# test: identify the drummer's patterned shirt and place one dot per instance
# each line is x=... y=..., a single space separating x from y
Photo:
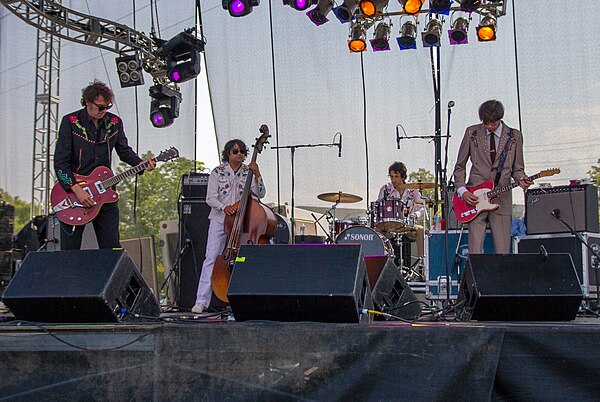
x=408 y=197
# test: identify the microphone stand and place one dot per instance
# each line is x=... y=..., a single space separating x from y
x=292 y=149
x=175 y=266
x=579 y=237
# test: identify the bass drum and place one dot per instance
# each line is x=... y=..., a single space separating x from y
x=373 y=242
x=283 y=231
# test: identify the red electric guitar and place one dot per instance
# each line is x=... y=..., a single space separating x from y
x=99 y=186
x=485 y=192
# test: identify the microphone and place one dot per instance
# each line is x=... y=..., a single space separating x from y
x=340 y=147
x=46 y=241
x=555 y=213
x=450 y=104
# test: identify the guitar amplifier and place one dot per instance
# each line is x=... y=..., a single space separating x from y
x=577 y=205
x=194 y=185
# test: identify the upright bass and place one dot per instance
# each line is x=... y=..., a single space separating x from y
x=253 y=223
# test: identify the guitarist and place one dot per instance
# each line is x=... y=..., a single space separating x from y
x=86 y=139
x=484 y=144
x=225 y=187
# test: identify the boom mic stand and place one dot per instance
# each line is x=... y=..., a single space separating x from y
x=556 y=214
x=175 y=266
x=292 y=149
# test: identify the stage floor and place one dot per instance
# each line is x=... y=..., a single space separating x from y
x=186 y=357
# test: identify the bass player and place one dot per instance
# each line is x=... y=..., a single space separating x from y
x=496 y=153
x=86 y=139
x=225 y=187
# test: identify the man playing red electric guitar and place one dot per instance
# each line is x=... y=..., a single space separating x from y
x=86 y=139
x=496 y=153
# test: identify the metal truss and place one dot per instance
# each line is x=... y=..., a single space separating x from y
x=51 y=17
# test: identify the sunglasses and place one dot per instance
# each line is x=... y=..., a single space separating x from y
x=102 y=107
x=237 y=151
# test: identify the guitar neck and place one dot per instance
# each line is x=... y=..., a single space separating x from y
x=111 y=181
x=499 y=190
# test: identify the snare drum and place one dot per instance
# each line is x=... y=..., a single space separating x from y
x=372 y=240
x=388 y=214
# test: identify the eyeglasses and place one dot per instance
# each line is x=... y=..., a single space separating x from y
x=236 y=151
x=102 y=107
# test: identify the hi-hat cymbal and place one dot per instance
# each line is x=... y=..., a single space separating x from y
x=339 y=197
x=419 y=185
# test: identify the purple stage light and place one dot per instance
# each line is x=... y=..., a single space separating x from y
x=175 y=76
x=237 y=7
x=158 y=119
x=301 y=4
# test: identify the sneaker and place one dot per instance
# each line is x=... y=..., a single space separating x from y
x=198 y=308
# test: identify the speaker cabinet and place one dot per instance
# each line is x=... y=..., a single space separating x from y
x=578 y=206
x=390 y=291
x=79 y=286
x=194 y=185
x=520 y=287
x=193 y=225
x=325 y=283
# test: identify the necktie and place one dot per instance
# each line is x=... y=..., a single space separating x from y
x=493 y=146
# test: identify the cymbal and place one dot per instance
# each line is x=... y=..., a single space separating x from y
x=339 y=197
x=419 y=185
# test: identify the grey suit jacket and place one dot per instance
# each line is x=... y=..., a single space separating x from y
x=474 y=146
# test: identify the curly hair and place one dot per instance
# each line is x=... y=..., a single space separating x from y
x=398 y=167
x=95 y=89
x=229 y=146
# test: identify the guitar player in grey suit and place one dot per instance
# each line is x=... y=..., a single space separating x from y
x=486 y=156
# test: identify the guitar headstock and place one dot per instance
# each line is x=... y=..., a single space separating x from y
x=263 y=139
x=167 y=155
x=549 y=172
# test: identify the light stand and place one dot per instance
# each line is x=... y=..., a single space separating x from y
x=292 y=149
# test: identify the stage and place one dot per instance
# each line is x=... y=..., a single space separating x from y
x=206 y=358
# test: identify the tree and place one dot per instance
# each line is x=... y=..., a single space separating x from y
x=425 y=176
x=22 y=210
x=594 y=174
x=155 y=200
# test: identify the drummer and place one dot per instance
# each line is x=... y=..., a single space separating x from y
x=411 y=198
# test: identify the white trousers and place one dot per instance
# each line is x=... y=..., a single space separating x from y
x=214 y=247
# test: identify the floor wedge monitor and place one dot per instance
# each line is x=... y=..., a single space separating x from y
x=519 y=287
x=79 y=286
x=325 y=283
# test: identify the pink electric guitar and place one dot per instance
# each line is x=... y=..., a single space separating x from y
x=99 y=186
x=485 y=192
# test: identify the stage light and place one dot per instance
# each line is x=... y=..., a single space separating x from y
x=182 y=54
x=469 y=5
x=130 y=70
x=412 y=7
x=370 y=8
x=239 y=8
x=164 y=107
x=458 y=31
x=486 y=31
x=440 y=6
x=358 y=39
x=299 y=5
x=318 y=15
x=345 y=12
x=381 y=37
x=408 y=35
x=433 y=32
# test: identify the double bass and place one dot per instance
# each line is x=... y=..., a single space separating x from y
x=253 y=223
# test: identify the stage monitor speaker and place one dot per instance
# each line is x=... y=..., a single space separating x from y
x=519 y=287
x=325 y=283
x=390 y=291
x=193 y=226
x=577 y=205
x=79 y=286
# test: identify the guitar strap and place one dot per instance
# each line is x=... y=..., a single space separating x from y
x=503 y=156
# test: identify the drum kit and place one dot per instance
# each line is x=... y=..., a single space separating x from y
x=386 y=229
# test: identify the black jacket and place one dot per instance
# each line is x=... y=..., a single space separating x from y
x=81 y=147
